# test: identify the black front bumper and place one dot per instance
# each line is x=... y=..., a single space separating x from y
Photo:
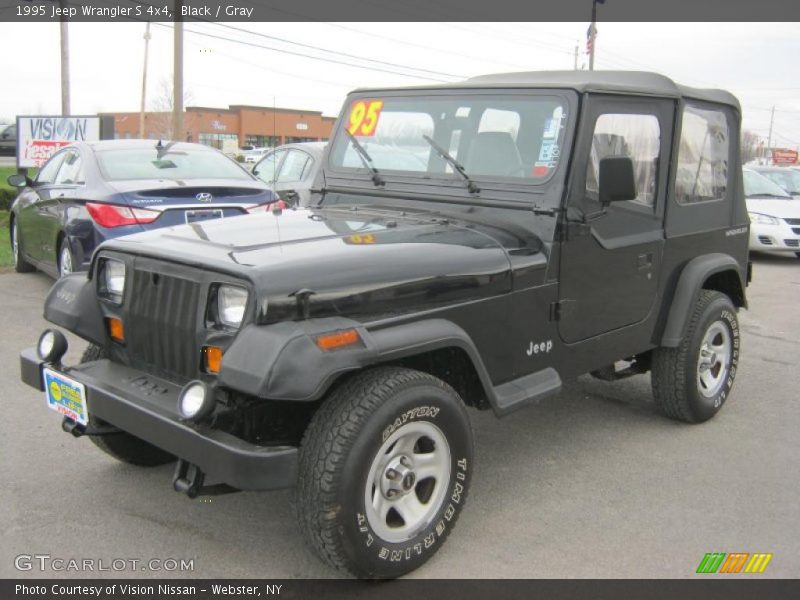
x=146 y=407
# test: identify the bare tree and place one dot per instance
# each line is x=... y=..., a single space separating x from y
x=159 y=121
x=751 y=143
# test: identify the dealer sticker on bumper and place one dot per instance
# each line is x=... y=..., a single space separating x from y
x=65 y=396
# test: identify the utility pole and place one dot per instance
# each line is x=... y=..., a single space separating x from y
x=575 y=66
x=177 y=90
x=65 y=107
x=771 y=121
x=144 y=81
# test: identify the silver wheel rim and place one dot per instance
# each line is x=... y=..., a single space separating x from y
x=714 y=360
x=14 y=244
x=65 y=261
x=408 y=481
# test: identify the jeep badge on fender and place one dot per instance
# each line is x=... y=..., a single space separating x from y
x=467 y=247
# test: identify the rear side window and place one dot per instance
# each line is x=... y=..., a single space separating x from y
x=71 y=172
x=294 y=166
x=636 y=136
x=702 y=173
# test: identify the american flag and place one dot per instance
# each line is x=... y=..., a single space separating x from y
x=589 y=37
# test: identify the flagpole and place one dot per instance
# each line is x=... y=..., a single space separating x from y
x=593 y=35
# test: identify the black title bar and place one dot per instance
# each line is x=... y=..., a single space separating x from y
x=398 y=10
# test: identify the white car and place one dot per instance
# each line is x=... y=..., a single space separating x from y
x=774 y=215
x=254 y=155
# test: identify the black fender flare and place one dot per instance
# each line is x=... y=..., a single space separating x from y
x=72 y=304
x=282 y=361
x=691 y=280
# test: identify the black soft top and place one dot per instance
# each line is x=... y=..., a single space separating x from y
x=620 y=82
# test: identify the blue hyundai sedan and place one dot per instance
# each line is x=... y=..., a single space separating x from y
x=90 y=192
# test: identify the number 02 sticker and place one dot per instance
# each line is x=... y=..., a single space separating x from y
x=364 y=115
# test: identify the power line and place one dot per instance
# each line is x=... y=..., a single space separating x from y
x=344 y=54
x=293 y=53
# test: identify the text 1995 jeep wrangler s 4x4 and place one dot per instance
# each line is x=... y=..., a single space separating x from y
x=468 y=245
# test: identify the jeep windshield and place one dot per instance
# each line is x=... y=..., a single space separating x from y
x=505 y=138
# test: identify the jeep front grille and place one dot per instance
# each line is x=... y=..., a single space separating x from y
x=161 y=324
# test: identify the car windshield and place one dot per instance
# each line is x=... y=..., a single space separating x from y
x=788 y=179
x=143 y=163
x=756 y=184
x=509 y=136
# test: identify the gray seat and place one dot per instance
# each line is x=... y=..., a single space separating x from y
x=493 y=153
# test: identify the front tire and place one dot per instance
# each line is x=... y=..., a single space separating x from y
x=123 y=446
x=20 y=264
x=385 y=467
x=692 y=382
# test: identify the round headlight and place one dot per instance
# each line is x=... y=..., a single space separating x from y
x=114 y=277
x=52 y=345
x=196 y=400
x=231 y=302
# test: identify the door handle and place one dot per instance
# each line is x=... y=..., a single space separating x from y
x=645 y=261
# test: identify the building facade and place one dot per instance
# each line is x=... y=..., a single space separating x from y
x=246 y=125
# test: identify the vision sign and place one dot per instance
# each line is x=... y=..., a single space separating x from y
x=39 y=137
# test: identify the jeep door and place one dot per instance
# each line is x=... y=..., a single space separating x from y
x=610 y=257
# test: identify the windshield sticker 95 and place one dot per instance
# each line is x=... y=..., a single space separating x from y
x=364 y=116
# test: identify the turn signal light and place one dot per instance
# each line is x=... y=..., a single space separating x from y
x=115 y=329
x=338 y=339
x=212 y=356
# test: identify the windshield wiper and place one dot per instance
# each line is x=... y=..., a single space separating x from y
x=473 y=189
x=366 y=159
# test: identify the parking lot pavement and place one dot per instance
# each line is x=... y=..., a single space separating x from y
x=593 y=483
x=7 y=161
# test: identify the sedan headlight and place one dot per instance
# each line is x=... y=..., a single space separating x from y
x=763 y=219
x=112 y=279
x=231 y=302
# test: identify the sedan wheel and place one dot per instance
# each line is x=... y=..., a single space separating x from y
x=20 y=264
x=65 y=266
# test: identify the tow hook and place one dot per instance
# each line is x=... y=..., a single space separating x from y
x=189 y=478
x=78 y=430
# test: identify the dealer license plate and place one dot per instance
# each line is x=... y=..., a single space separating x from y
x=66 y=396
x=193 y=216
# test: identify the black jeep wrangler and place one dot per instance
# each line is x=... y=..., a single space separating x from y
x=468 y=246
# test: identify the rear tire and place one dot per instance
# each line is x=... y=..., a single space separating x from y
x=692 y=382
x=385 y=467
x=124 y=446
x=66 y=262
x=20 y=264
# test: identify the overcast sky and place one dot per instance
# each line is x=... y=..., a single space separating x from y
x=756 y=61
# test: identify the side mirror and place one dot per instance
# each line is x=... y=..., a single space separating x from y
x=18 y=180
x=616 y=181
x=291 y=197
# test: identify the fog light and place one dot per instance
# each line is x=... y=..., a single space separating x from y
x=196 y=400
x=52 y=346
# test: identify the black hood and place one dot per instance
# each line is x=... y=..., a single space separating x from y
x=349 y=262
